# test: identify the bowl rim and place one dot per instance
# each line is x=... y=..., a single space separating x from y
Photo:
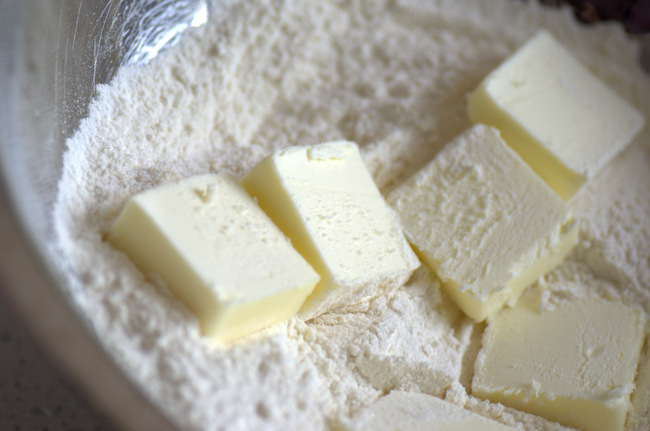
x=33 y=292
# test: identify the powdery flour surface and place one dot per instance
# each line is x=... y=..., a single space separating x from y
x=390 y=76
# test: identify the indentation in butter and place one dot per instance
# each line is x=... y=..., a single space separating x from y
x=324 y=153
x=205 y=193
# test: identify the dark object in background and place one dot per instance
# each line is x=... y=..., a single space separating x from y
x=633 y=14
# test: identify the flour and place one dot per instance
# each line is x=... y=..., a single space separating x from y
x=391 y=76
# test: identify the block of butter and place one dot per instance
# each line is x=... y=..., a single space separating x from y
x=483 y=221
x=217 y=251
x=560 y=118
x=324 y=199
x=414 y=411
x=573 y=363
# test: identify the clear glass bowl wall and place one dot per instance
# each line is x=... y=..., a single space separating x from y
x=53 y=54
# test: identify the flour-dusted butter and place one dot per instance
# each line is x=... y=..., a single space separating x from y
x=482 y=219
x=573 y=363
x=560 y=118
x=217 y=251
x=324 y=199
x=412 y=411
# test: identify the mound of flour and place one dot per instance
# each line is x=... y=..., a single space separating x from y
x=391 y=76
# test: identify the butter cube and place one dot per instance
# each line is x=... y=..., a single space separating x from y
x=560 y=118
x=573 y=363
x=324 y=199
x=483 y=221
x=414 y=411
x=217 y=251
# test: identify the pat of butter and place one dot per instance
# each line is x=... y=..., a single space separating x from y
x=324 y=199
x=561 y=119
x=483 y=221
x=417 y=412
x=573 y=363
x=217 y=251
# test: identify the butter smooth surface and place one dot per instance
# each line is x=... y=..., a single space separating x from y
x=562 y=120
x=482 y=219
x=412 y=411
x=324 y=199
x=217 y=251
x=573 y=363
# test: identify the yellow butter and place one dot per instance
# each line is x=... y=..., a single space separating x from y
x=573 y=363
x=560 y=118
x=217 y=251
x=414 y=411
x=324 y=199
x=483 y=221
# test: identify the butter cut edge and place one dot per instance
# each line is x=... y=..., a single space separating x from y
x=136 y=232
x=135 y=223
x=562 y=175
x=582 y=406
x=268 y=185
x=221 y=322
x=559 y=177
x=479 y=309
x=592 y=415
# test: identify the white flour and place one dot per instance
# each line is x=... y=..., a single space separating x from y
x=391 y=76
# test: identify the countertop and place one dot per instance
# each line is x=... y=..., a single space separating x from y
x=33 y=393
